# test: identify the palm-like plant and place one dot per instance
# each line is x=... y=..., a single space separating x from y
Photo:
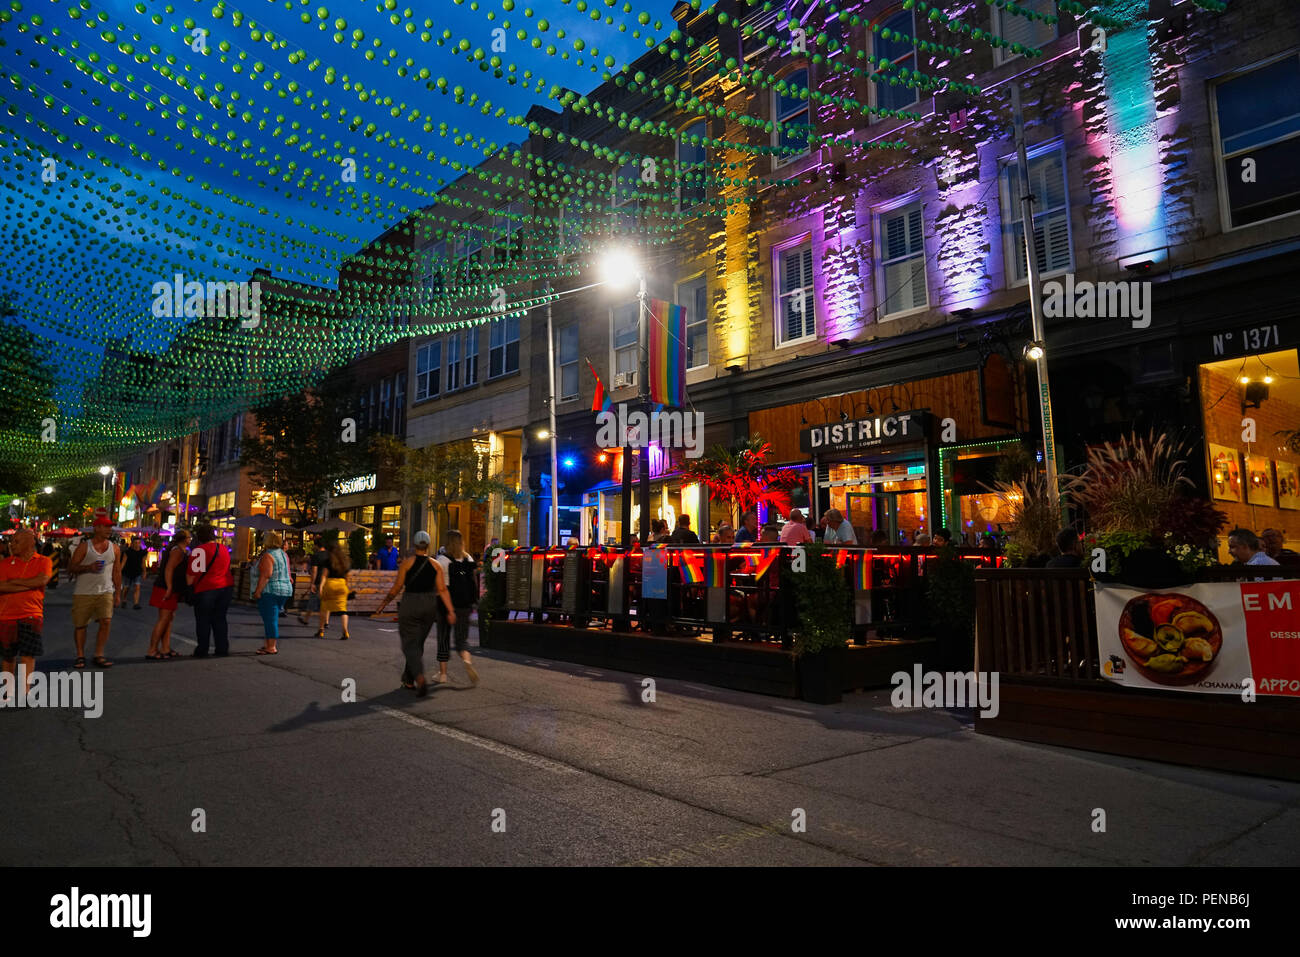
x=740 y=476
x=1034 y=514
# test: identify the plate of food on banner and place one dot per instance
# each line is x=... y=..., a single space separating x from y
x=1171 y=639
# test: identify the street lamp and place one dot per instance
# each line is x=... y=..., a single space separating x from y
x=105 y=471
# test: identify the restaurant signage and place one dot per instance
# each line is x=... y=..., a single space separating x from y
x=1212 y=638
x=897 y=428
x=362 y=483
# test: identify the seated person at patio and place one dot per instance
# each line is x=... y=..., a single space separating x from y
x=942 y=537
x=880 y=538
x=771 y=534
x=1071 y=549
x=683 y=535
x=1243 y=544
x=659 y=531
x=1273 y=542
x=748 y=531
x=795 y=532
x=726 y=535
x=838 y=529
x=922 y=540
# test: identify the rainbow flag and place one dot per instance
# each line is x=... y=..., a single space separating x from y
x=692 y=573
x=863 y=581
x=764 y=562
x=602 y=402
x=717 y=565
x=667 y=352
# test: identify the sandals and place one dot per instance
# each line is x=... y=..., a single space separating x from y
x=79 y=663
x=321 y=633
x=155 y=657
x=102 y=662
x=263 y=651
x=171 y=654
x=345 y=637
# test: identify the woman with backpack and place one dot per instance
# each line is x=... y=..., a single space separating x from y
x=165 y=596
x=272 y=586
x=462 y=583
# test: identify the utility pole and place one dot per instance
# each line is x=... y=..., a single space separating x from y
x=553 y=539
x=643 y=388
x=1035 y=297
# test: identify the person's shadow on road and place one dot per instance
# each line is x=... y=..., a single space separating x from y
x=398 y=699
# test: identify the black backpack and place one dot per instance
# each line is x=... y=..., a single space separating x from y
x=461 y=582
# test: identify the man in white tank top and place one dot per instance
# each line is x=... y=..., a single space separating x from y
x=97 y=592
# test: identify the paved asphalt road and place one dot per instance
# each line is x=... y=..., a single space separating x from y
x=580 y=769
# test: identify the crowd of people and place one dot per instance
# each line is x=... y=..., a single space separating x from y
x=197 y=569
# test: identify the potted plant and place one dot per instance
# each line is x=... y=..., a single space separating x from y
x=821 y=638
x=950 y=600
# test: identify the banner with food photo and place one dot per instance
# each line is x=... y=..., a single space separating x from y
x=1206 y=638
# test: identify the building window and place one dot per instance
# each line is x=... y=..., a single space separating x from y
x=1051 y=215
x=567 y=362
x=691 y=159
x=626 y=337
x=626 y=179
x=693 y=294
x=399 y=419
x=374 y=408
x=503 y=357
x=901 y=273
x=1032 y=34
x=792 y=113
x=795 y=319
x=469 y=255
x=453 y=362
x=900 y=51
x=1257 y=116
x=507 y=234
x=428 y=369
x=385 y=405
x=433 y=268
x=471 y=356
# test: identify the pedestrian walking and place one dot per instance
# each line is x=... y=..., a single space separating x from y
x=423 y=585
x=132 y=571
x=462 y=584
x=208 y=574
x=316 y=563
x=334 y=589
x=23 y=577
x=166 y=595
x=97 y=592
x=272 y=586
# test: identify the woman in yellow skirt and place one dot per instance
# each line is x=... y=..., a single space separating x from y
x=334 y=590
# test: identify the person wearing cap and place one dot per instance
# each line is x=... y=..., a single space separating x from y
x=795 y=531
x=97 y=592
x=425 y=584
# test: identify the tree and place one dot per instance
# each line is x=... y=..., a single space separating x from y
x=439 y=475
x=741 y=477
x=26 y=396
x=299 y=451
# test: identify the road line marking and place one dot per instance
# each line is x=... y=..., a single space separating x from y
x=791 y=710
x=465 y=737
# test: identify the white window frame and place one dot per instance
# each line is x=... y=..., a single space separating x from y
x=451 y=354
x=700 y=168
x=504 y=325
x=471 y=357
x=903 y=206
x=619 y=188
x=507 y=217
x=561 y=363
x=1003 y=55
x=433 y=367
x=779 y=159
x=634 y=347
x=913 y=65
x=1011 y=208
x=809 y=291
x=1221 y=159
x=692 y=320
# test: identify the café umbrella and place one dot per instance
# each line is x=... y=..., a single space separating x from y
x=261 y=523
x=334 y=525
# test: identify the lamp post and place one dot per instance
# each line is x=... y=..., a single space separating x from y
x=105 y=471
x=553 y=538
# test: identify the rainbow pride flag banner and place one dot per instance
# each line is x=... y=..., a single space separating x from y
x=765 y=561
x=716 y=560
x=863 y=578
x=841 y=556
x=692 y=569
x=667 y=336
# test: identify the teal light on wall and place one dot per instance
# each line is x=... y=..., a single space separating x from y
x=1134 y=138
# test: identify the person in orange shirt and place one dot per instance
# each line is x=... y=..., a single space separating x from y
x=23 y=577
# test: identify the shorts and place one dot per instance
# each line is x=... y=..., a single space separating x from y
x=88 y=608
x=156 y=599
x=21 y=638
x=130 y=581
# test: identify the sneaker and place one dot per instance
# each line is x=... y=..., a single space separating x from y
x=441 y=679
x=469 y=670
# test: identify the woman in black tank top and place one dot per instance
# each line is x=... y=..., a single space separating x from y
x=425 y=585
